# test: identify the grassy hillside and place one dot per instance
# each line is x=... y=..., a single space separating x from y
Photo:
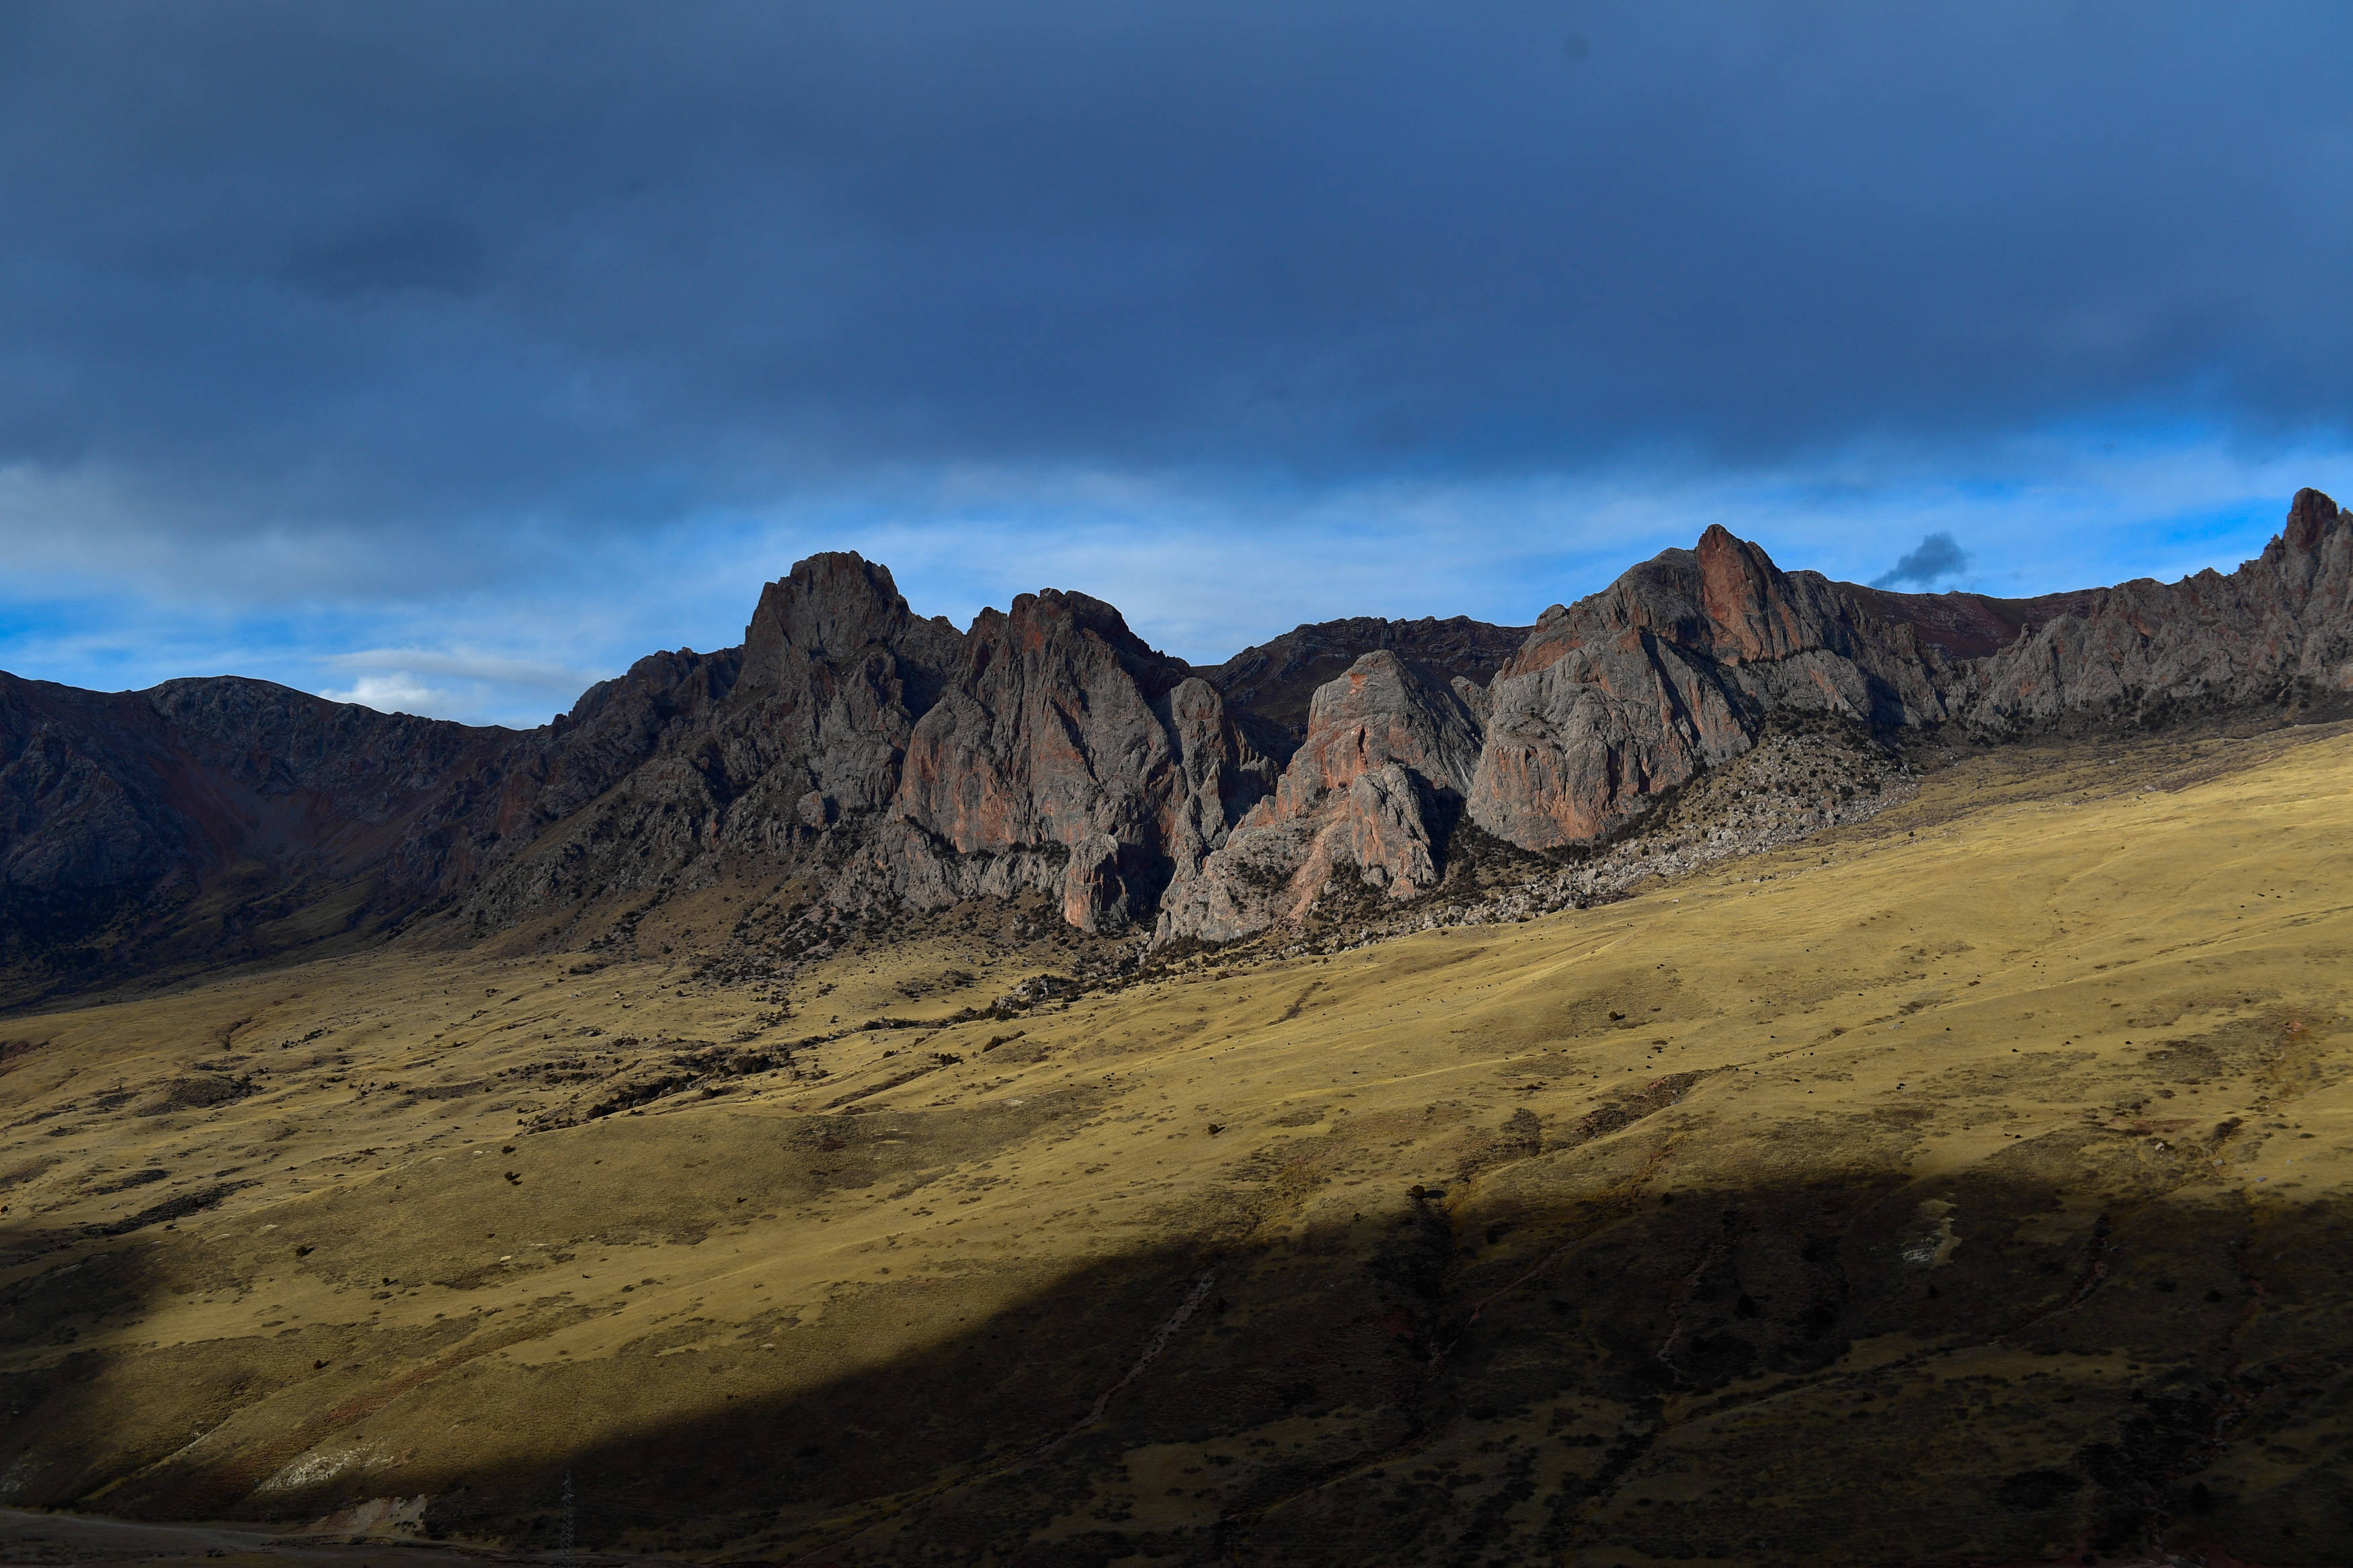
x=1969 y=1185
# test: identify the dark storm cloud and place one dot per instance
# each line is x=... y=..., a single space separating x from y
x=1935 y=557
x=432 y=254
x=457 y=267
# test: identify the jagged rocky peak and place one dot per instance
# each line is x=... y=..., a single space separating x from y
x=832 y=608
x=1753 y=610
x=2309 y=519
x=1372 y=791
x=1670 y=670
x=1049 y=735
x=1054 y=609
x=2276 y=635
x=1275 y=680
x=1383 y=711
x=830 y=605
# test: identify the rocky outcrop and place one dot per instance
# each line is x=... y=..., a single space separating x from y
x=1047 y=748
x=893 y=760
x=1965 y=626
x=1374 y=790
x=1277 y=681
x=1058 y=727
x=1671 y=670
x=1678 y=666
x=2277 y=630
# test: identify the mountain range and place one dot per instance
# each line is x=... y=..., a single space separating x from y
x=890 y=762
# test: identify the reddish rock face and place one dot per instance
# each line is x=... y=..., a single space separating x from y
x=1277 y=681
x=1748 y=611
x=1390 y=748
x=923 y=764
x=1047 y=748
x=1381 y=710
x=1050 y=732
x=1670 y=670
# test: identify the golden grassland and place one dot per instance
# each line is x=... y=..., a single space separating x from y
x=1969 y=1185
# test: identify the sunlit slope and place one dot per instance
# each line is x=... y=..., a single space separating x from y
x=1964 y=1186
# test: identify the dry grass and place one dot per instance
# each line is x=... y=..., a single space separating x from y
x=2066 y=1034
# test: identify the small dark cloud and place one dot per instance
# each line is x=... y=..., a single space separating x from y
x=1934 y=557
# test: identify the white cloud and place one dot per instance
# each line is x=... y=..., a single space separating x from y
x=465 y=665
x=395 y=691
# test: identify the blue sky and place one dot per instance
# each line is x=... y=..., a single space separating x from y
x=449 y=357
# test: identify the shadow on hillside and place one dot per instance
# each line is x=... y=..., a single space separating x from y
x=1855 y=1368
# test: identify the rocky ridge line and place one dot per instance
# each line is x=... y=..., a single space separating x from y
x=875 y=759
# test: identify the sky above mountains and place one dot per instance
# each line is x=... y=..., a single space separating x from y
x=449 y=357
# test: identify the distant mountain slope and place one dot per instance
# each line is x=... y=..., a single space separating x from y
x=189 y=818
x=1967 y=625
x=886 y=761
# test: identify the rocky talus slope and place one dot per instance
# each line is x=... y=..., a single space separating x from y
x=874 y=760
